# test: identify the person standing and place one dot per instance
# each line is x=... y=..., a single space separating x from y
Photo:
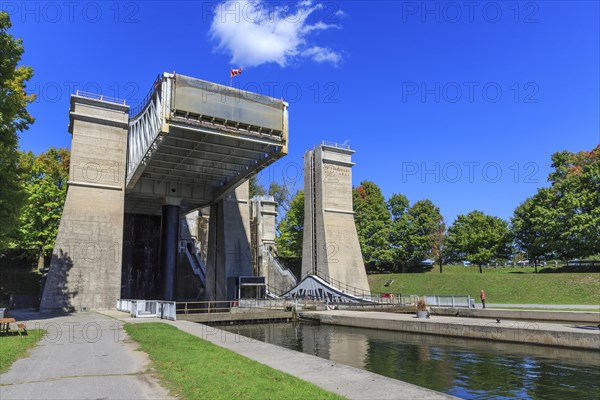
x=482 y=296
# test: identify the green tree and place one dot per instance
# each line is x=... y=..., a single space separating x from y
x=281 y=194
x=424 y=222
x=14 y=118
x=399 y=233
x=291 y=229
x=576 y=201
x=255 y=188
x=45 y=183
x=438 y=250
x=534 y=226
x=372 y=220
x=413 y=230
x=478 y=238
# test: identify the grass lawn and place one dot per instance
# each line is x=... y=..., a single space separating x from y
x=193 y=368
x=555 y=309
x=501 y=285
x=14 y=347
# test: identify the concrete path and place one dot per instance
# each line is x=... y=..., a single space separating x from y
x=82 y=356
x=353 y=383
x=548 y=306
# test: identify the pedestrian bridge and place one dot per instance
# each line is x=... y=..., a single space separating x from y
x=196 y=140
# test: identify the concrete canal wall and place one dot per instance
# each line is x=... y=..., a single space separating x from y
x=581 y=336
x=527 y=315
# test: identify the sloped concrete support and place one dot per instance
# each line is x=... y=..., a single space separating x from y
x=330 y=246
x=85 y=271
x=229 y=254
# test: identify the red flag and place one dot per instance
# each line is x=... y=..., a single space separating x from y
x=234 y=72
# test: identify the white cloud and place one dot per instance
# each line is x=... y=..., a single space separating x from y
x=321 y=55
x=257 y=32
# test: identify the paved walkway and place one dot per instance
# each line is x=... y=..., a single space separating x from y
x=353 y=383
x=82 y=356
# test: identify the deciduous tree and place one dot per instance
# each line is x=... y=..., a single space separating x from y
x=255 y=188
x=576 y=200
x=438 y=250
x=372 y=221
x=291 y=229
x=479 y=238
x=535 y=226
x=14 y=118
x=45 y=184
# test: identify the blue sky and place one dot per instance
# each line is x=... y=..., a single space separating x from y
x=459 y=102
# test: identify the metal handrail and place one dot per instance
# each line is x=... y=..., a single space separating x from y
x=341 y=286
x=281 y=266
x=141 y=106
x=334 y=144
x=225 y=306
x=100 y=97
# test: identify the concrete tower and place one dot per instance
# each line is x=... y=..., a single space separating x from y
x=330 y=247
x=85 y=271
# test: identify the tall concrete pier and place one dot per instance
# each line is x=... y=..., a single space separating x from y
x=85 y=271
x=264 y=248
x=229 y=253
x=330 y=247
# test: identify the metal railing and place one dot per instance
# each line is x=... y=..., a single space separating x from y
x=195 y=261
x=243 y=305
x=134 y=111
x=342 y=287
x=334 y=144
x=448 y=301
x=101 y=97
x=148 y=308
x=281 y=268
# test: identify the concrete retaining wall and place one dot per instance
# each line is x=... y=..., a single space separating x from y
x=528 y=315
x=509 y=331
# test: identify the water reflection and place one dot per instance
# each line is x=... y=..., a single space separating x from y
x=467 y=368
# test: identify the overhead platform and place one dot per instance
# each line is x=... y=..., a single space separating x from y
x=195 y=140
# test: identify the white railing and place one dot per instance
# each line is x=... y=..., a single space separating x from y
x=101 y=97
x=145 y=127
x=148 y=308
x=334 y=144
x=448 y=301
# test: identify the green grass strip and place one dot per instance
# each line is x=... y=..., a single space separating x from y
x=14 y=347
x=193 y=368
x=501 y=285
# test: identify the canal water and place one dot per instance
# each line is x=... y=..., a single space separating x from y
x=467 y=368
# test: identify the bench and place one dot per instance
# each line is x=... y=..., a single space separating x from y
x=5 y=326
